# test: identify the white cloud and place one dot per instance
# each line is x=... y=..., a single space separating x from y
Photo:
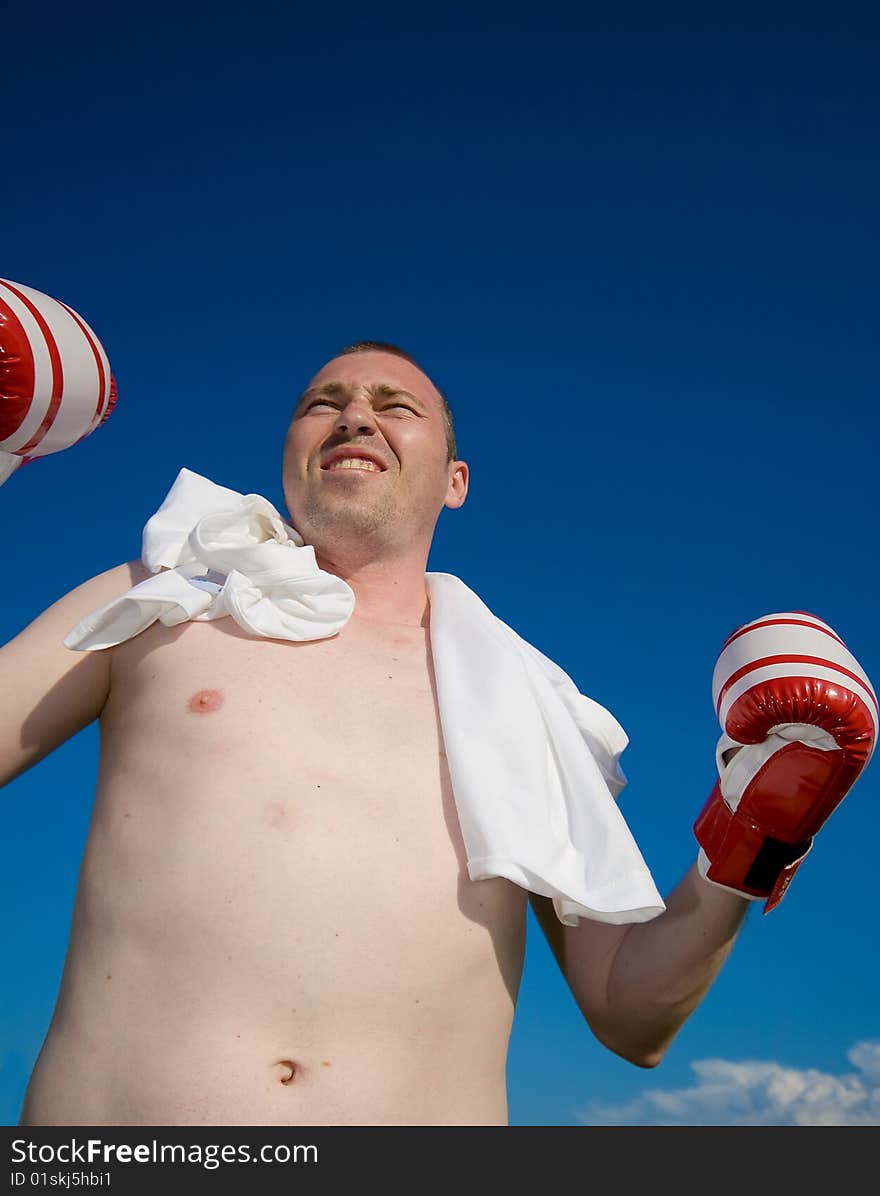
x=751 y=1092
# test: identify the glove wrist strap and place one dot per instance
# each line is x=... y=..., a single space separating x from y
x=742 y=856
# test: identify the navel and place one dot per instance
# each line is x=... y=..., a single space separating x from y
x=287 y=1070
x=206 y=701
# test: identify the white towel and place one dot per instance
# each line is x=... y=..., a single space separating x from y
x=534 y=763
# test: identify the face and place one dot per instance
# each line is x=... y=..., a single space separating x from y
x=365 y=456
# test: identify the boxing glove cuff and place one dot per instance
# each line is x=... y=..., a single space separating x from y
x=738 y=853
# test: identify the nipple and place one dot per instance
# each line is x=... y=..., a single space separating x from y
x=205 y=701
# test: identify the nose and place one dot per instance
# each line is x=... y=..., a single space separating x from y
x=356 y=416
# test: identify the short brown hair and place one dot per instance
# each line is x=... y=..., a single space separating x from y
x=385 y=347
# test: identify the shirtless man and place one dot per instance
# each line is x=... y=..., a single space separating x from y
x=274 y=924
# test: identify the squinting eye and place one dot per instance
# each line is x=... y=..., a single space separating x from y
x=335 y=406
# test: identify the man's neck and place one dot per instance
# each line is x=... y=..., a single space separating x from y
x=390 y=592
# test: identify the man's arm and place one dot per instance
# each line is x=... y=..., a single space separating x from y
x=48 y=692
x=636 y=984
x=799 y=720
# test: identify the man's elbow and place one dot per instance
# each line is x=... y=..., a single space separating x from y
x=645 y=1059
x=638 y=1055
x=642 y=1046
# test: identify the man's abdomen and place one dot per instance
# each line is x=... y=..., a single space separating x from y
x=218 y=1075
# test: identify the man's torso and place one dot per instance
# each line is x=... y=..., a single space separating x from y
x=274 y=922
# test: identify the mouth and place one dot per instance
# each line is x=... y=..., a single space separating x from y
x=352 y=463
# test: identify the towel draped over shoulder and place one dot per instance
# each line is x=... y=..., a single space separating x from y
x=534 y=763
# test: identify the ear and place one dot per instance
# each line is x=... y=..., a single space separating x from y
x=457 y=489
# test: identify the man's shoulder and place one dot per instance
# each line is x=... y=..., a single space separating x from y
x=130 y=572
x=110 y=583
x=67 y=607
x=89 y=595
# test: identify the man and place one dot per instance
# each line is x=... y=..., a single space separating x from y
x=274 y=924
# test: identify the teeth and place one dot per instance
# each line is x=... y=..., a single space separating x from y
x=355 y=463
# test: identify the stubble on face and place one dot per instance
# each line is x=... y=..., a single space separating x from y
x=346 y=512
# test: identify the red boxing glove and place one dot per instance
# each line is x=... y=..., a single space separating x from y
x=803 y=714
x=55 y=380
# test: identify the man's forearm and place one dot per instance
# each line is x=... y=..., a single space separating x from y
x=662 y=969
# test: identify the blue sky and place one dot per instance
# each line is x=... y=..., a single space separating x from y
x=639 y=252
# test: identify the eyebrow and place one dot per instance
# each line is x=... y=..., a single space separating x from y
x=338 y=389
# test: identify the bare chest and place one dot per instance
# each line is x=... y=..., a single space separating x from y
x=223 y=754
x=349 y=719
